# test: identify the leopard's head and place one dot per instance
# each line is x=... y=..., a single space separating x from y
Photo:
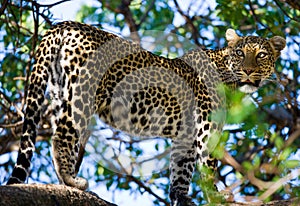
x=252 y=58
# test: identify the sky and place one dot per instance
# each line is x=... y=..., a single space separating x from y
x=67 y=10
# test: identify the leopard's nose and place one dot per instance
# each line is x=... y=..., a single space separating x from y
x=248 y=71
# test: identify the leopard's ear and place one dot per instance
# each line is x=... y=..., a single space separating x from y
x=231 y=37
x=278 y=44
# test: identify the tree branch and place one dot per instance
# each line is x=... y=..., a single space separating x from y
x=147 y=189
x=54 y=4
x=295 y=4
x=189 y=21
x=48 y=195
x=285 y=13
x=3 y=7
x=125 y=10
x=271 y=187
x=145 y=15
x=276 y=185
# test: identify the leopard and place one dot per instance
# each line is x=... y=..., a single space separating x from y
x=89 y=71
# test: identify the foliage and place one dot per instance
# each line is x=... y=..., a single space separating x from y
x=262 y=130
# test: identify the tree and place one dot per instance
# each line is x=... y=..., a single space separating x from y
x=259 y=153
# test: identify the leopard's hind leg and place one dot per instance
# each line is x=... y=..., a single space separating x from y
x=66 y=147
x=71 y=134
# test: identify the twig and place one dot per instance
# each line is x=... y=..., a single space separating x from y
x=285 y=13
x=145 y=15
x=292 y=138
x=256 y=18
x=54 y=4
x=147 y=189
x=156 y=157
x=125 y=10
x=11 y=125
x=249 y=174
x=15 y=24
x=19 y=111
x=276 y=185
x=3 y=7
x=190 y=23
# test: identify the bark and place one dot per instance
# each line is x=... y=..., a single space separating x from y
x=48 y=195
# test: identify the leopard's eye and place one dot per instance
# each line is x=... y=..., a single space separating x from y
x=239 y=52
x=261 y=55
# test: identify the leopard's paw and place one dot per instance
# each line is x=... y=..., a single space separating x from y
x=77 y=182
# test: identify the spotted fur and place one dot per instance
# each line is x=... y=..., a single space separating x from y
x=87 y=71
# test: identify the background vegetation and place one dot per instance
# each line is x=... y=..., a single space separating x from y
x=261 y=156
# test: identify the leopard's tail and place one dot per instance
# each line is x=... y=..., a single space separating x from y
x=34 y=102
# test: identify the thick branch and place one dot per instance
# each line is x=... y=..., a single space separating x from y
x=39 y=194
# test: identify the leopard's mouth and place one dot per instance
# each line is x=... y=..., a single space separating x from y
x=254 y=83
x=249 y=86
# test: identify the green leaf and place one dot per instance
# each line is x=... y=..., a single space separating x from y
x=279 y=143
x=291 y=164
x=247 y=165
x=256 y=161
x=285 y=153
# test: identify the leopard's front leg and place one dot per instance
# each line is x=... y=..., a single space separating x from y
x=207 y=139
x=182 y=164
x=184 y=155
x=208 y=167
